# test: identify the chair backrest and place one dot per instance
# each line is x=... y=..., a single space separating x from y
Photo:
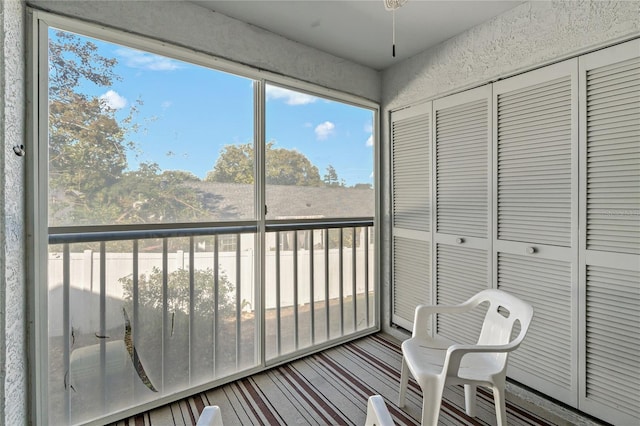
x=503 y=313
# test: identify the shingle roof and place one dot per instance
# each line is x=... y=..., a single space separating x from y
x=232 y=201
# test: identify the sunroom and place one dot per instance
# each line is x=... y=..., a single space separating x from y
x=199 y=192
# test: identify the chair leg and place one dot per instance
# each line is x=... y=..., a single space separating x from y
x=404 y=382
x=431 y=401
x=470 y=400
x=501 y=407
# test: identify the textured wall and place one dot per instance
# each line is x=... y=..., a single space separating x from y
x=525 y=37
x=13 y=373
x=201 y=29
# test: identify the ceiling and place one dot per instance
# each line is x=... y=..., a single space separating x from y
x=361 y=30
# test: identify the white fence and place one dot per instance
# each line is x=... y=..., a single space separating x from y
x=85 y=274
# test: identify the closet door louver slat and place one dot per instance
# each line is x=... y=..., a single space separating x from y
x=613 y=214
x=613 y=315
x=546 y=284
x=526 y=152
x=461 y=169
x=411 y=276
x=461 y=273
x=411 y=173
x=411 y=211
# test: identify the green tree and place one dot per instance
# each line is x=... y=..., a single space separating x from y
x=148 y=195
x=331 y=178
x=179 y=321
x=150 y=292
x=87 y=143
x=283 y=166
x=88 y=146
x=235 y=165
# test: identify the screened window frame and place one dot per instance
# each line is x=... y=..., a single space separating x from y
x=37 y=184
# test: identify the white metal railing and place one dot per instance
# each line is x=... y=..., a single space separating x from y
x=135 y=315
x=344 y=280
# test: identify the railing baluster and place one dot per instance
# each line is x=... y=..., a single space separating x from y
x=326 y=280
x=192 y=299
x=353 y=278
x=136 y=306
x=295 y=289
x=341 y=280
x=366 y=273
x=238 y=302
x=216 y=304
x=165 y=312
x=66 y=326
x=103 y=325
x=312 y=298
x=278 y=322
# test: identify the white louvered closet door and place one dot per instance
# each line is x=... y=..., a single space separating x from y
x=462 y=224
x=535 y=222
x=610 y=233
x=411 y=211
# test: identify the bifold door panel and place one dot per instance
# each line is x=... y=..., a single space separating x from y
x=610 y=230
x=462 y=176
x=411 y=223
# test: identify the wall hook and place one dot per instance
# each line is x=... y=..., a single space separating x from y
x=19 y=150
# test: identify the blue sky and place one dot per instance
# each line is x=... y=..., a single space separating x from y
x=190 y=112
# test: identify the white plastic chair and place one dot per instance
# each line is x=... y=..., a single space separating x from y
x=210 y=416
x=436 y=362
x=377 y=412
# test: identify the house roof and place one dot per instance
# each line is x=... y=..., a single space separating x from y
x=232 y=201
x=227 y=202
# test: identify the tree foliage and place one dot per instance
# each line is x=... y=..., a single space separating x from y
x=71 y=60
x=282 y=166
x=87 y=142
x=148 y=195
x=179 y=323
x=88 y=146
x=331 y=178
x=235 y=165
x=178 y=285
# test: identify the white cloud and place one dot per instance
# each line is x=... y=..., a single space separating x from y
x=368 y=128
x=324 y=130
x=165 y=104
x=289 y=96
x=113 y=100
x=370 y=141
x=147 y=61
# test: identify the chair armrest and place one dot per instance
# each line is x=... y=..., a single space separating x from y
x=456 y=352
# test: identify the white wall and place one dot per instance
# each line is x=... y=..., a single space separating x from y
x=195 y=27
x=526 y=37
x=13 y=359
